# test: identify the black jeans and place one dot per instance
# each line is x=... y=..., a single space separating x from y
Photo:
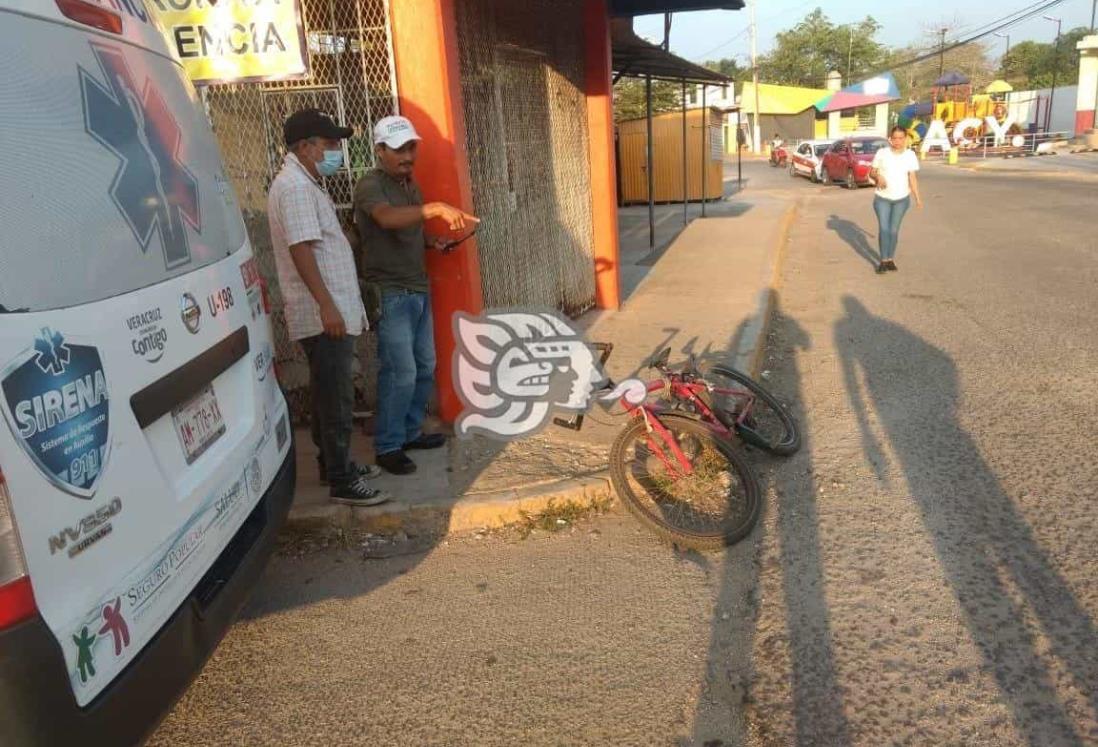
x=333 y=393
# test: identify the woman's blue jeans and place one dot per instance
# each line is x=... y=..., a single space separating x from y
x=890 y=214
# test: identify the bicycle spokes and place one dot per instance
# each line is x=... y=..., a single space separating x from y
x=702 y=498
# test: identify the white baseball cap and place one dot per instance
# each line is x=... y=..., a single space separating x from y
x=394 y=131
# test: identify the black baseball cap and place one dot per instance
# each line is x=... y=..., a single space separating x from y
x=307 y=123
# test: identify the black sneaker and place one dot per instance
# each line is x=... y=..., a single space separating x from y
x=357 y=493
x=426 y=441
x=396 y=462
x=881 y=269
x=368 y=471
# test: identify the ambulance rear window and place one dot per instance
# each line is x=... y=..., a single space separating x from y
x=112 y=179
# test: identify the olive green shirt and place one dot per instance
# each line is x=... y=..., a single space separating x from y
x=394 y=259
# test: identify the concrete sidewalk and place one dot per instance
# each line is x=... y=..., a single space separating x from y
x=708 y=293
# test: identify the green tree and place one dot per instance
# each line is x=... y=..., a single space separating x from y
x=916 y=80
x=806 y=53
x=629 y=98
x=728 y=67
x=1029 y=65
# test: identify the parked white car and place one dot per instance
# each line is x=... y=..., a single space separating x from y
x=807 y=158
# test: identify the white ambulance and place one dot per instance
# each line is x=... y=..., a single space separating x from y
x=146 y=460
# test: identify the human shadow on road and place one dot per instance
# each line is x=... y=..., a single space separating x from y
x=738 y=648
x=986 y=548
x=856 y=236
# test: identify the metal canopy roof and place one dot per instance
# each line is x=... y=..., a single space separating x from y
x=633 y=56
x=646 y=7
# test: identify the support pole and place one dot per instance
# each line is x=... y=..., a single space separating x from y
x=739 y=153
x=1055 y=65
x=941 y=51
x=651 y=177
x=425 y=52
x=705 y=153
x=685 y=182
x=756 y=133
x=602 y=154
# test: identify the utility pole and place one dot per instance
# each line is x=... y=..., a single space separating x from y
x=756 y=135
x=1055 y=65
x=942 y=51
x=1007 y=37
x=850 y=54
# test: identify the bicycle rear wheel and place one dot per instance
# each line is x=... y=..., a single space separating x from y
x=767 y=424
x=717 y=504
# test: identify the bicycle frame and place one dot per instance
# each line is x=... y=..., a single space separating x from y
x=689 y=390
x=682 y=389
x=651 y=419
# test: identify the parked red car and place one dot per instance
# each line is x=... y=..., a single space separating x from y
x=847 y=161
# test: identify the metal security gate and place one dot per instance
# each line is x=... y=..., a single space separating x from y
x=350 y=76
x=522 y=81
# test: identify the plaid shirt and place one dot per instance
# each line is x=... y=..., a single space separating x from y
x=299 y=210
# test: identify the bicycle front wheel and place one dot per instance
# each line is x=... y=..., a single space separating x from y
x=743 y=404
x=713 y=504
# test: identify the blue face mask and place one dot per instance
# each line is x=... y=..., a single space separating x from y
x=333 y=159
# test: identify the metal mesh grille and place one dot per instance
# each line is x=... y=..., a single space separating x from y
x=522 y=80
x=351 y=77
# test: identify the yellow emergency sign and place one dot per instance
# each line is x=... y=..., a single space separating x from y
x=235 y=40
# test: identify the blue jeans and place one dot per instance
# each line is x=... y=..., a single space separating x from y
x=406 y=350
x=890 y=213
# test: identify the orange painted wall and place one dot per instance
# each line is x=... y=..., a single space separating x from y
x=427 y=71
x=600 y=125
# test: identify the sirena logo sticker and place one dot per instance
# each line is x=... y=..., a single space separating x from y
x=57 y=404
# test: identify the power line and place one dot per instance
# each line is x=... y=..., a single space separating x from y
x=1035 y=10
x=979 y=31
x=722 y=45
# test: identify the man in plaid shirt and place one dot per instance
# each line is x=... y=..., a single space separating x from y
x=320 y=292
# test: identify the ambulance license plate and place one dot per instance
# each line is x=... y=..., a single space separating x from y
x=198 y=423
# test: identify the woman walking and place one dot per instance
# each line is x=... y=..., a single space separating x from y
x=893 y=171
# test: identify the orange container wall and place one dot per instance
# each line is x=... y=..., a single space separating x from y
x=667 y=157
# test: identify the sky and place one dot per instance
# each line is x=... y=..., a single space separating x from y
x=715 y=34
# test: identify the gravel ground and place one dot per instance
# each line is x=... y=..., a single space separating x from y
x=923 y=574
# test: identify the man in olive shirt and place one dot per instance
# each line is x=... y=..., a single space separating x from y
x=389 y=214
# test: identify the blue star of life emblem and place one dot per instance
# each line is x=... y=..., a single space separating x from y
x=51 y=352
x=152 y=189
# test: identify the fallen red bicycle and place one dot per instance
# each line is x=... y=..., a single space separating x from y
x=678 y=474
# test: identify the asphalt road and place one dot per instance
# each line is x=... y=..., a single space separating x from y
x=922 y=574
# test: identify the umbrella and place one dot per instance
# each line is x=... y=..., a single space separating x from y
x=999 y=86
x=951 y=79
